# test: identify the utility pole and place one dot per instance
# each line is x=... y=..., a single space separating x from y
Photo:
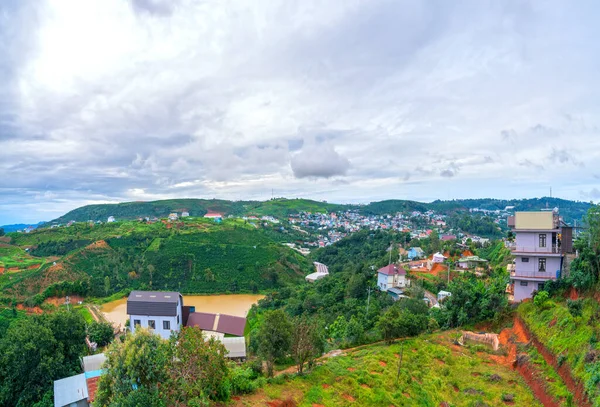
x=400 y=361
x=368 y=299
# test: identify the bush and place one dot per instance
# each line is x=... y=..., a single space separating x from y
x=243 y=381
x=575 y=307
x=541 y=298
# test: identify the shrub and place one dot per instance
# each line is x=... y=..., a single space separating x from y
x=242 y=381
x=575 y=307
x=541 y=298
x=100 y=332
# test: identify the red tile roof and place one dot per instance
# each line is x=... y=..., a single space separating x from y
x=92 y=385
x=392 y=269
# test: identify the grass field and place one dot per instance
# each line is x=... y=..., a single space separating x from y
x=16 y=258
x=434 y=371
x=572 y=339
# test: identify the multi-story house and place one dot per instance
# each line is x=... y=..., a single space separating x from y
x=161 y=312
x=541 y=242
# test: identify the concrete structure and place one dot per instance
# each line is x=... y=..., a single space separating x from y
x=443 y=294
x=185 y=214
x=173 y=216
x=110 y=219
x=537 y=250
x=391 y=276
x=469 y=262
x=159 y=311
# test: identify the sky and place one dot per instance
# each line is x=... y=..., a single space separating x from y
x=346 y=101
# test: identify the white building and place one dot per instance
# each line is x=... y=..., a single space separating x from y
x=111 y=219
x=185 y=214
x=173 y=216
x=391 y=276
x=159 y=311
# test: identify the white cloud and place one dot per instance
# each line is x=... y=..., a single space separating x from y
x=115 y=99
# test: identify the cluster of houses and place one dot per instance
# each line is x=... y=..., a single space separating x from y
x=162 y=313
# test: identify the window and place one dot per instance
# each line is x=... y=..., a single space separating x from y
x=166 y=325
x=177 y=319
x=543 y=240
x=136 y=322
x=525 y=259
x=542 y=265
x=151 y=324
x=524 y=283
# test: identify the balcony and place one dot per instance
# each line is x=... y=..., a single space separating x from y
x=546 y=275
x=553 y=249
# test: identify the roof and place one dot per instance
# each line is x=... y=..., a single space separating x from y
x=155 y=303
x=395 y=290
x=93 y=362
x=236 y=347
x=448 y=237
x=391 y=269
x=227 y=324
x=70 y=390
x=316 y=276
x=213 y=215
x=321 y=268
x=202 y=320
x=472 y=258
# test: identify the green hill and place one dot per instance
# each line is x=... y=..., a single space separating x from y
x=195 y=256
x=281 y=207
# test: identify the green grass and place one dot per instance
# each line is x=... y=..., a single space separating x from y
x=432 y=372
x=87 y=315
x=554 y=383
x=13 y=256
x=571 y=339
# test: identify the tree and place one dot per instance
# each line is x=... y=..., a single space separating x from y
x=274 y=337
x=306 y=341
x=434 y=242
x=137 y=364
x=1 y=232
x=151 y=271
x=34 y=352
x=354 y=331
x=100 y=332
x=199 y=370
x=106 y=285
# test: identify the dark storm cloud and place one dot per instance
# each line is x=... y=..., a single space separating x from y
x=319 y=162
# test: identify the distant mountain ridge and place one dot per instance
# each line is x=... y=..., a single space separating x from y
x=281 y=207
x=20 y=226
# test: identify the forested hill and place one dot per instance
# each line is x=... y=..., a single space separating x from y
x=281 y=207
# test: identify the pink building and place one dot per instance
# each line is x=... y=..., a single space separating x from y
x=538 y=251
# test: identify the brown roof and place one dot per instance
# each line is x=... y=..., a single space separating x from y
x=229 y=324
x=92 y=385
x=226 y=324
x=202 y=320
x=392 y=269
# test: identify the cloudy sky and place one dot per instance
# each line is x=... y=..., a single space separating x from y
x=345 y=101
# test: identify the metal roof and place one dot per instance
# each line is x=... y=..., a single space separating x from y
x=231 y=325
x=202 y=320
x=153 y=303
x=94 y=362
x=392 y=269
x=227 y=324
x=70 y=390
x=236 y=347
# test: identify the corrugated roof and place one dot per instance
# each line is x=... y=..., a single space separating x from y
x=153 y=303
x=202 y=320
x=236 y=347
x=93 y=362
x=231 y=325
x=70 y=390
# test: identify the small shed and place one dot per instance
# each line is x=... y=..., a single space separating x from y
x=71 y=392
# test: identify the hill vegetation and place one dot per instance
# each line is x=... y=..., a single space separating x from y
x=192 y=256
x=281 y=207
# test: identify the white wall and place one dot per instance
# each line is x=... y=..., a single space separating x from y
x=165 y=334
x=523 y=292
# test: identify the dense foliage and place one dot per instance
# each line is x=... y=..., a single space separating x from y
x=187 y=370
x=35 y=351
x=475 y=224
